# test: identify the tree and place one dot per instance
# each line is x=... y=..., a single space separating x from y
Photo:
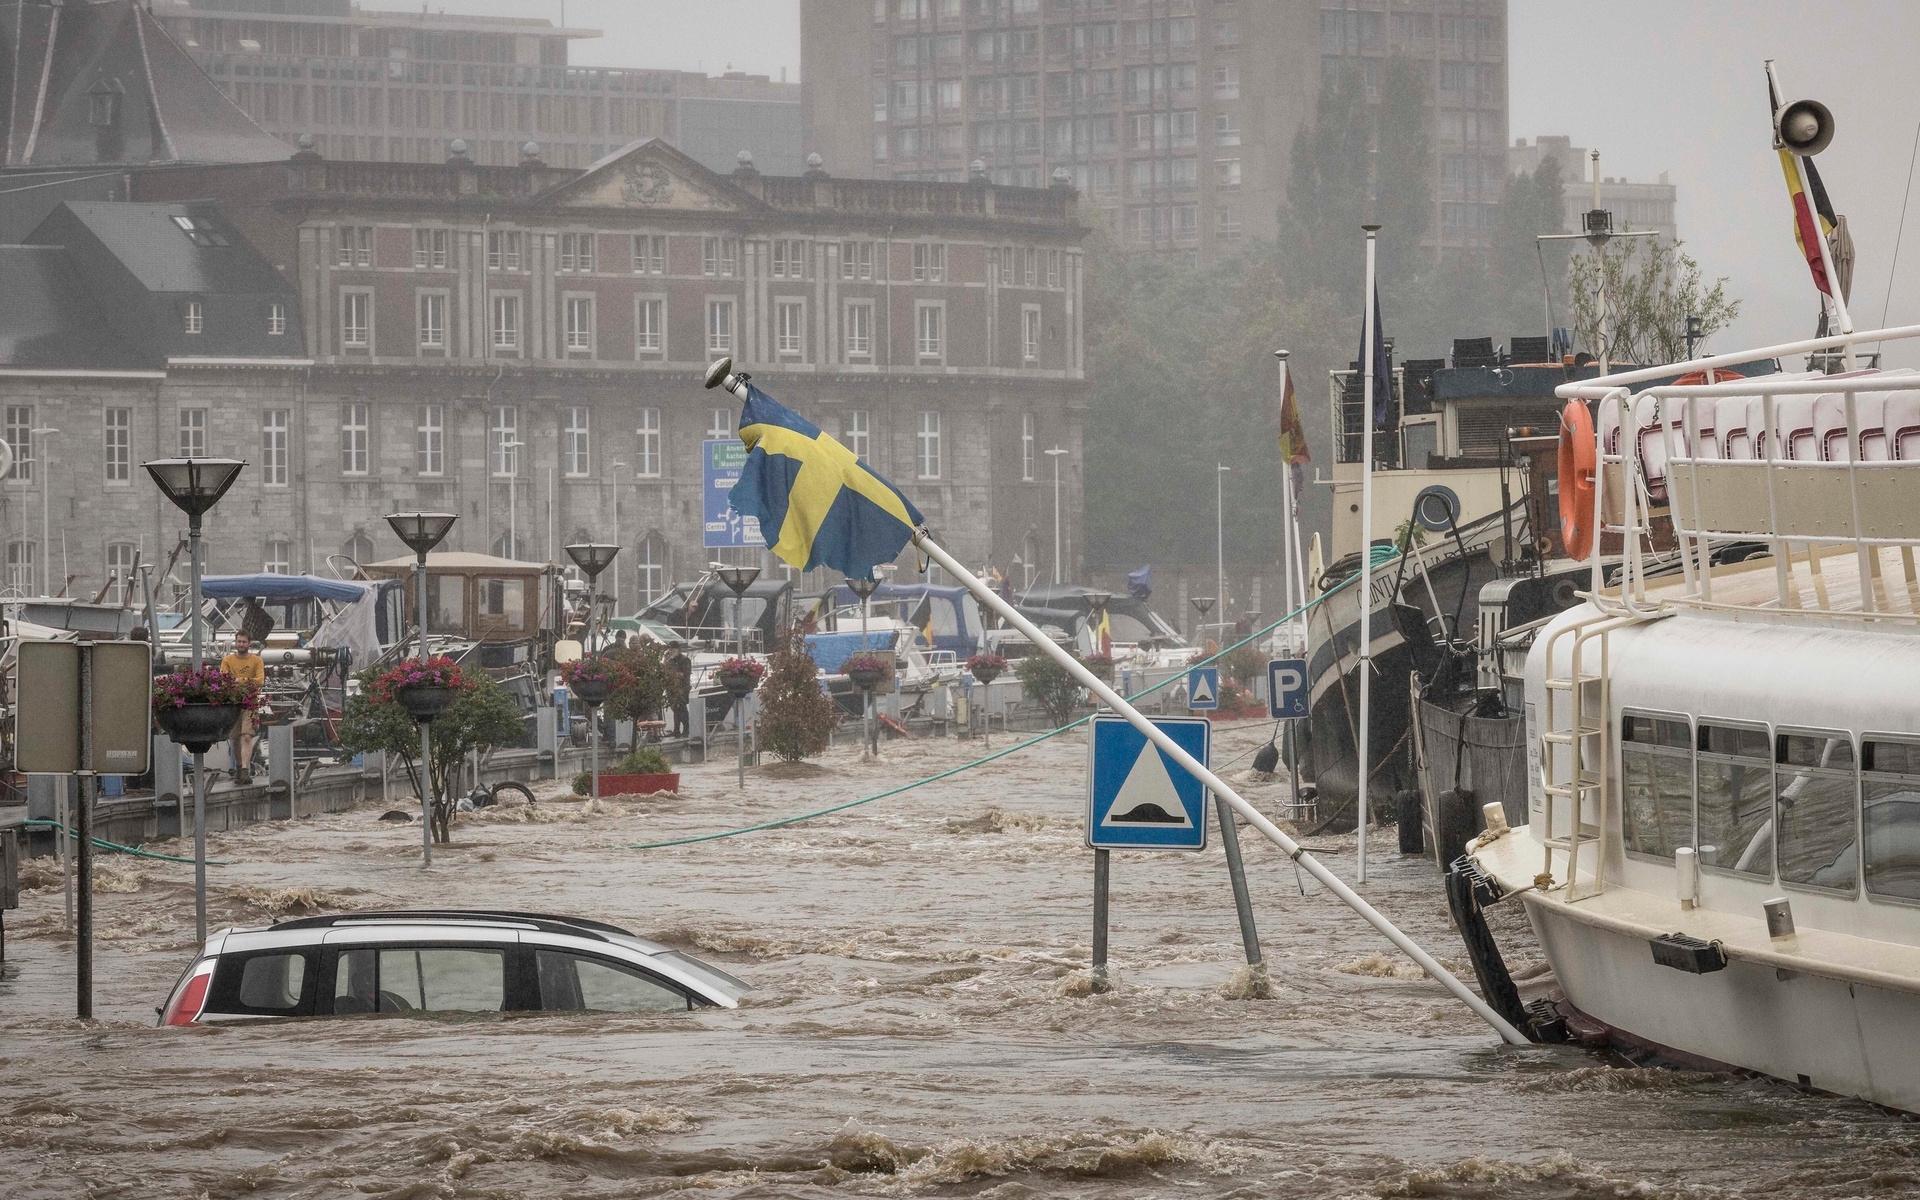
x=1653 y=286
x=1049 y=685
x=640 y=681
x=796 y=717
x=483 y=716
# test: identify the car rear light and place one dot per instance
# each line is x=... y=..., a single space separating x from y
x=190 y=996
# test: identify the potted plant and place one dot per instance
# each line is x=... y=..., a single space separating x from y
x=986 y=667
x=740 y=675
x=591 y=678
x=424 y=689
x=198 y=706
x=640 y=773
x=868 y=670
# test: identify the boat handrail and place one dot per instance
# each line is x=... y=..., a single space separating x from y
x=1598 y=387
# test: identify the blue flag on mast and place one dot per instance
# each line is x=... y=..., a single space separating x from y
x=1382 y=369
x=819 y=505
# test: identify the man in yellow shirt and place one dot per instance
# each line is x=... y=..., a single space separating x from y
x=247 y=667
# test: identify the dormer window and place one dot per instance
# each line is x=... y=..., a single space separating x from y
x=200 y=231
x=192 y=319
x=103 y=111
x=276 y=319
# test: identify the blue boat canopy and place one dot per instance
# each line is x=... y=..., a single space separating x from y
x=282 y=587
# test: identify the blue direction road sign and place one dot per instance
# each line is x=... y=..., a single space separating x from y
x=1139 y=799
x=724 y=457
x=1203 y=688
x=1287 y=688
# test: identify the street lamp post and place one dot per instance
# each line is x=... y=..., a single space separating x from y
x=1202 y=605
x=864 y=588
x=1055 y=454
x=39 y=436
x=1220 y=536
x=738 y=580
x=421 y=532
x=592 y=558
x=511 y=452
x=195 y=485
x=617 y=468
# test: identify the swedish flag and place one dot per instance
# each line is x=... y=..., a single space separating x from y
x=818 y=504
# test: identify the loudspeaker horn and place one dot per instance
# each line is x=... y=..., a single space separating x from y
x=1804 y=127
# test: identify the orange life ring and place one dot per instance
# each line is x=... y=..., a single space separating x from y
x=1576 y=480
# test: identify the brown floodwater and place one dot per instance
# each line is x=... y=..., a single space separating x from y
x=920 y=1025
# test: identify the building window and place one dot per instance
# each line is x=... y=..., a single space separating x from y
x=789 y=258
x=790 y=320
x=1008 y=265
x=430 y=439
x=1226 y=129
x=579 y=325
x=719 y=326
x=359 y=548
x=276 y=319
x=1030 y=266
x=193 y=317
x=647 y=454
x=355 y=425
x=433 y=321
x=649 y=254
x=930 y=261
x=929 y=321
x=506 y=324
x=273 y=447
x=279 y=557
x=856 y=428
x=576 y=252
x=1053 y=268
x=120 y=565
x=1030 y=332
x=119 y=445
x=193 y=433
x=719 y=424
x=719 y=257
x=651 y=566
x=430 y=249
x=355 y=246
x=1227 y=222
x=649 y=325
x=576 y=459
x=356 y=320
x=856 y=260
x=504 y=250
x=929 y=457
x=1226 y=82
x=20 y=573
x=859 y=329
x=1026 y=447
x=506 y=440
x=1226 y=172
x=20 y=437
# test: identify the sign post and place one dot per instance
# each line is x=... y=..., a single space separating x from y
x=1287 y=701
x=1203 y=689
x=722 y=527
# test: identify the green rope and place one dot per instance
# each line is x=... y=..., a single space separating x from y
x=116 y=847
x=797 y=818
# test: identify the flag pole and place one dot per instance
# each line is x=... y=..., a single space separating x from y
x=721 y=375
x=1113 y=700
x=1838 y=298
x=1286 y=503
x=1365 y=594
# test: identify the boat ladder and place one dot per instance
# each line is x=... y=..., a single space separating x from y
x=1575 y=745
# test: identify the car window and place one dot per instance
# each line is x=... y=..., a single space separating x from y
x=420 y=979
x=272 y=981
x=573 y=981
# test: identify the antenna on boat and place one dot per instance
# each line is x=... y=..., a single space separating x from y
x=1596 y=231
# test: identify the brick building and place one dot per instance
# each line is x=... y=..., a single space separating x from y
x=1175 y=118
x=523 y=346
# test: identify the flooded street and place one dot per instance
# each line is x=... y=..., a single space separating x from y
x=920 y=1025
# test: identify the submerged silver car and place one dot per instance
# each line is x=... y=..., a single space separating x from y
x=439 y=962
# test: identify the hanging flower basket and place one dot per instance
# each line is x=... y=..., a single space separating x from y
x=740 y=676
x=986 y=668
x=198 y=727
x=590 y=678
x=423 y=689
x=198 y=706
x=868 y=671
x=424 y=703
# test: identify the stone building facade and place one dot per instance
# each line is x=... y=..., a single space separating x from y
x=524 y=347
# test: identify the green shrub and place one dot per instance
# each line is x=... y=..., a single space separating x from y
x=583 y=783
x=644 y=760
x=1048 y=684
x=796 y=717
x=484 y=715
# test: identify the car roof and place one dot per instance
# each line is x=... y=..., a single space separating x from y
x=545 y=922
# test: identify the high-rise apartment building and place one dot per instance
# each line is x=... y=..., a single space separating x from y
x=399 y=86
x=1461 y=46
x=1175 y=118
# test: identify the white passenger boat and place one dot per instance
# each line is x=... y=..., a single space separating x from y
x=1722 y=850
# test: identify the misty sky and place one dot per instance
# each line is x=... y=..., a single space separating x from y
x=1655 y=85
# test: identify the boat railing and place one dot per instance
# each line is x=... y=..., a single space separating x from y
x=1821 y=470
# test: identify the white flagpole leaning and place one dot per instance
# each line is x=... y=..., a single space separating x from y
x=1365 y=594
x=1286 y=504
x=1273 y=833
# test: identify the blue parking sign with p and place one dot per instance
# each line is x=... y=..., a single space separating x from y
x=1287 y=688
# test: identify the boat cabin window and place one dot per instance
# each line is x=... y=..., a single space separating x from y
x=1815 y=816
x=1890 y=799
x=503 y=603
x=1733 y=786
x=1656 y=755
x=447 y=603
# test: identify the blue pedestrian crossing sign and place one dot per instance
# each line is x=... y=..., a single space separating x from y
x=1287 y=688
x=1140 y=799
x=1203 y=688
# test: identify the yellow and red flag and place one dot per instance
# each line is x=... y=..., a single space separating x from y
x=1813 y=218
x=1293 y=436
